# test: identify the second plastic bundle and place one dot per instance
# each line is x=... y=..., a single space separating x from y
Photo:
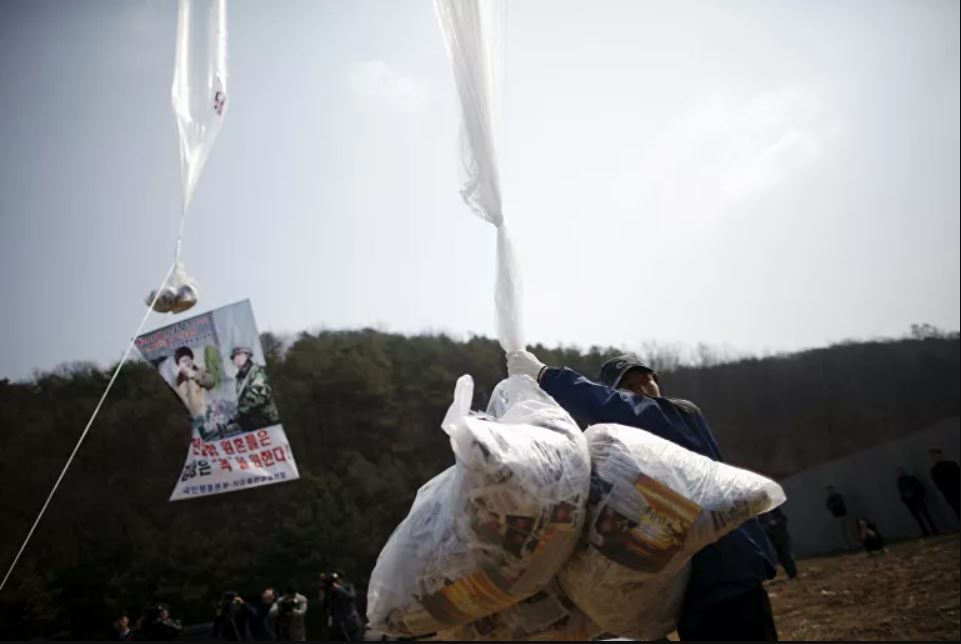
x=493 y=529
x=653 y=505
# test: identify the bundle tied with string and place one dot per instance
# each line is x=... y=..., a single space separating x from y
x=178 y=293
x=493 y=529
x=199 y=99
x=652 y=506
x=491 y=532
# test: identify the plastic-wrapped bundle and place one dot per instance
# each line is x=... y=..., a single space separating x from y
x=494 y=528
x=545 y=616
x=178 y=293
x=652 y=506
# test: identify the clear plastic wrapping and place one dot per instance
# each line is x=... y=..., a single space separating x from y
x=198 y=96
x=493 y=529
x=178 y=293
x=544 y=616
x=652 y=506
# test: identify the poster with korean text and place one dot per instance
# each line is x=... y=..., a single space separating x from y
x=215 y=365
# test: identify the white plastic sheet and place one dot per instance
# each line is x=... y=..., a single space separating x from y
x=494 y=528
x=652 y=506
x=471 y=33
x=199 y=91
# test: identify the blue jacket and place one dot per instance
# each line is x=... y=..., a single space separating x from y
x=736 y=563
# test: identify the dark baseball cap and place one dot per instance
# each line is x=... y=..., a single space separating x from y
x=614 y=369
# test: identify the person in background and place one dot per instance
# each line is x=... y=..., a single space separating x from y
x=232 y=621
x=340 y=605
x=288 y=614
x=912 y=495
x=121 y=627
x=871 y=538
x=157 y=625
x=839 y=510
x=262 y=627
x=775 y=525
x=725 y=598
x=946 y=476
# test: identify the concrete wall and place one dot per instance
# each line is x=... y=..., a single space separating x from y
x=867 y=480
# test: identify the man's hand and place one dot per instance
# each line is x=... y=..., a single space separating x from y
x=524 y=363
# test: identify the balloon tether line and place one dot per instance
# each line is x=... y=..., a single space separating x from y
x=93 y=416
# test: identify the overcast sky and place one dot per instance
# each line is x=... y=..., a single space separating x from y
x=764 y=175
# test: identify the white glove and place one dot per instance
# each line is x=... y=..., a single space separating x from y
x=523 y=363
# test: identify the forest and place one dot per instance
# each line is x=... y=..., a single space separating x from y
x=362 y=410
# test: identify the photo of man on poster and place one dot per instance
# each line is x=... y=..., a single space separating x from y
x=192 y=383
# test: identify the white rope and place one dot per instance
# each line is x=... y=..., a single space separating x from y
x=180 y=237
x=86 y=429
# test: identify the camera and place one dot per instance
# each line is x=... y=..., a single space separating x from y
x=288 y=604
x=230 y=602
x=330 y=579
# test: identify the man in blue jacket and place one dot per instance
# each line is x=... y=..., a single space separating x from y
x=725 y=599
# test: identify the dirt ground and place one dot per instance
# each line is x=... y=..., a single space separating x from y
x=910 y=593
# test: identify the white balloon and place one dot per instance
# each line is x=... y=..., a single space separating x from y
x=199 y=91
x=199 y=99
x=473 y=35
